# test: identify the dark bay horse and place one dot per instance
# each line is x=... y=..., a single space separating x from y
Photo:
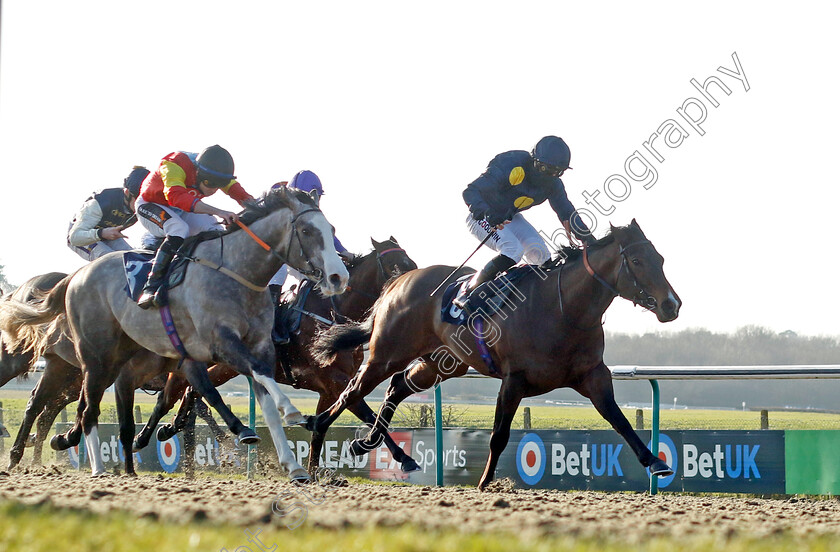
x=368 y=275
x=221 y=316
x=550 y=338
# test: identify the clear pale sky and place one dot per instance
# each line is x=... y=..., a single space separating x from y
x=398 y=106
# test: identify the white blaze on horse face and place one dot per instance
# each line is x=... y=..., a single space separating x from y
x=336 y=276
x=93 y=452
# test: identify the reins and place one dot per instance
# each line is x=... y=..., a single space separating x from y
x=241 y=279
x=641 y=297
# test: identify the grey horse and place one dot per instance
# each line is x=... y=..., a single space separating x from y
x=222 y=313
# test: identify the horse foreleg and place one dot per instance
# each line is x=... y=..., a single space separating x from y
x=33 y=408
x=124 y=391
x=366 y=414
x=164 y=404
x=598 y=388
x=188 y=427
x=167 y=431
x=317 y=440
x=72 y=436
x=204 y=413
x=359 y=387
x=510 y=395
x=45 y=423
x=196 y=374
x=275 y=427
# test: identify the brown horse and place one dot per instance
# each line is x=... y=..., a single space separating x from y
x=549 y=336
x=368 y=275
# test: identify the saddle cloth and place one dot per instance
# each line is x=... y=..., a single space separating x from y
x=490 y=297
x=138 y=263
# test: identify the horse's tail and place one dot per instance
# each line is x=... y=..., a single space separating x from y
x=340 y=337
x=28 y=326
x=343 y=337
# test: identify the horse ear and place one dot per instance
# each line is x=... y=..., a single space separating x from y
x=634 y=223
x=315 y=197
x=374 y=243
x=612 y=227
x=393 y=239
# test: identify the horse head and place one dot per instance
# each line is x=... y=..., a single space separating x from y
x=392 y=259
x=641 y=278
x=308 y=245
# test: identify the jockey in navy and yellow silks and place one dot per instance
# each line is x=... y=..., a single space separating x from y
x=170 y=205
x=513 y=182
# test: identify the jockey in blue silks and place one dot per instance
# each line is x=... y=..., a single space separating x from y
x=513 y=182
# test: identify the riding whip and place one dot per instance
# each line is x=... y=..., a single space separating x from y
x=462 y=264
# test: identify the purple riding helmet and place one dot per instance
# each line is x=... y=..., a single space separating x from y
x=307 y=181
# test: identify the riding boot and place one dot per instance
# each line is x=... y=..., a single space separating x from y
x=490 y=271
x=160 y=264
x=280 y=331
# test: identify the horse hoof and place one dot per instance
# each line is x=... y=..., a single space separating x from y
x=166 y=432
x=300 y=475
x=660 y=468
x=99 y=474
x=294 y=418
x=311 y=422
x=59 y=442
x=359 y=447
x=248 y=437
x=136 y=446
x=409 y=466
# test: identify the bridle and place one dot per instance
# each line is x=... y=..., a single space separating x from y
x=380 y=270
x=640 y=296
x=381 y=254
x=315 y=274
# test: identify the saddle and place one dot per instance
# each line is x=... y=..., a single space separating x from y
x=138 y=263
x=490 y=297
x=289 y=310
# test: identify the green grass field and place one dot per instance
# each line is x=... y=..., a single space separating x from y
x=481 y=416
x=48 y=529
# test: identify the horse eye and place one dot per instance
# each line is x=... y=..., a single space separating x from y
x=636 y=262
x=305 y=232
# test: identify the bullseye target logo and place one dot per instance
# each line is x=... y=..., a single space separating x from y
x=169 y=454
x=530 y=458
x=668 y=454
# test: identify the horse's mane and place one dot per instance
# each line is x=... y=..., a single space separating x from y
x=568 y=253
x=358 y=259
x=274 y=199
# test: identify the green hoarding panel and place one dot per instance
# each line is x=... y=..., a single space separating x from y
x=812 y=462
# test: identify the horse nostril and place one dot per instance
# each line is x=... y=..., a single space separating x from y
x=669 y=306
x=335 y=280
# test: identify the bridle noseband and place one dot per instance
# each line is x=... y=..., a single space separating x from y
x=640 y=296
x=315 y=274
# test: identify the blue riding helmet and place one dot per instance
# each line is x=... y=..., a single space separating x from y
x=553 y=151
x=307 y=181
x=134 y=180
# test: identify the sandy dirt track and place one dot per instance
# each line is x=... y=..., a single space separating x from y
x=249 y=503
